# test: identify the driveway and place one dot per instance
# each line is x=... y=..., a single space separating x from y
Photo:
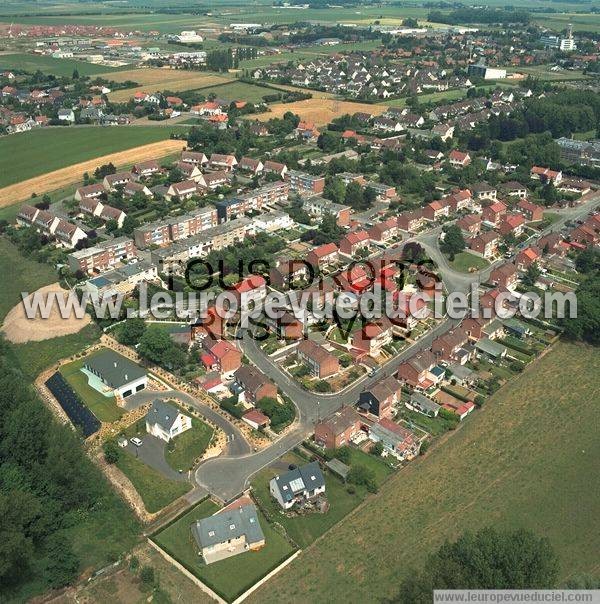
x=236 y=442
x=152 y=453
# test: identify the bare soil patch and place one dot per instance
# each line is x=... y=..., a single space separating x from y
x=18 y=329
x=320 y=111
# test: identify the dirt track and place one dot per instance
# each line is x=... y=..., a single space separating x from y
x=65 y=176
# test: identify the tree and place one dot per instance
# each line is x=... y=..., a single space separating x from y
x=156 y=346
x=112 y=454
x=454 y=242
x=488 y=559
x=63 y=563
x=75 y=75
x=279 y=414
x=361 y=475
x=131 y=331
x=588 y=260
x=586 y=326
x=532 y=274
x=335 y=189
x=549 y=194
x=354 y=196
x=377 y=449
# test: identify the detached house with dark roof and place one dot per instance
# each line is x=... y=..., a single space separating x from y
x=117 y=373
x=298 y=485
x=166 y=421
x=381 y=398
x=233 y=530
x=255 y=385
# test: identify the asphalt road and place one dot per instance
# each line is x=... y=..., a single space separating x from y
x=226 y=476
x=236 y=443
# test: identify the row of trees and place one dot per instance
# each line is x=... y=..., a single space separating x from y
x=47 y=487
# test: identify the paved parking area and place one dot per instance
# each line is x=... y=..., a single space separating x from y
x=152 y=453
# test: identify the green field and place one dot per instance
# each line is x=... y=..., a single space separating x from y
x=50 y=65
x=105 y=408
x=230 y=577
x=30 y=154
x=463 y=261
x=580 y=22
x=34 y=357
x=25 y=275
x=528 y=459
x=155 y=490
x=181 y=453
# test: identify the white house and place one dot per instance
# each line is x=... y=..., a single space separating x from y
x=300 y=484
x=166 y=421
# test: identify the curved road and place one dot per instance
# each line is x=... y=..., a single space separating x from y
x=226 y=476
x=236 y=443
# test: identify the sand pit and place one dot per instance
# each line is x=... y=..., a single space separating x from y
x=18 y=329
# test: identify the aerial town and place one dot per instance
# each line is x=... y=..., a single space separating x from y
x=291 y=287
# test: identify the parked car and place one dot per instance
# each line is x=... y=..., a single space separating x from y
x=136 y=441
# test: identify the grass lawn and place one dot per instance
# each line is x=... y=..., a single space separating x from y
x=304 y=530
x=230 y=577
x=379 y=467
x=463 y=261
x=501 y=468
x=50 y=65
x=34 y=357
x=30 y=154
x=189 y=446
x=105 y=408
x=25 y=275
x=155 y=490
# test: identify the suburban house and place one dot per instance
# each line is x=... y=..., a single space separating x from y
x=545 y=175
x=233 y=530
x=118 y=374
x=250 y=291
x=527 y=257
x=396 y=440
x=373 y=336
x=354 y=241
x=449 y=346
x=382 y=232
x=494 y=212
x=416 y=371
x=274 y=167
x=146 y=168
x=531 y=211
x=323 y=255
x=221 y=356
x=256 y=419
x=320 y=362
x=89 y=192
x=194 y=157
x=505 y=275
x=512 y=223
x=422 y=404
x=298 y=485
x=250 y=165
x=435 y=210
x=254 y=384
x=339 y=428
x=288 y=271
x=485 y=244
x=470 y=224
x=411 y=221
x=381 y=398
x=514 y=188
x=222 y=162
x=165 y=421
x=458 y=159
x=483 y=190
